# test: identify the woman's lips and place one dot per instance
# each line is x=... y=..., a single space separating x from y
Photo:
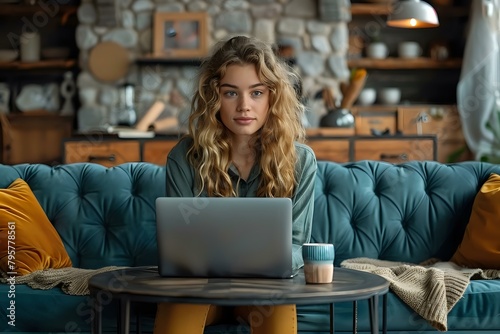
x=244 y=120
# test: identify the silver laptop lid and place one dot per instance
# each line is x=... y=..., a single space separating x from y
x=224 y=237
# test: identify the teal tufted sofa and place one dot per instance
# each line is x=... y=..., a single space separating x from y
x=409 y=212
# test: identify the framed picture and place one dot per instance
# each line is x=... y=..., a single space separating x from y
x=180 y=35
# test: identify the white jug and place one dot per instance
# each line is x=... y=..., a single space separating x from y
x=30 y=47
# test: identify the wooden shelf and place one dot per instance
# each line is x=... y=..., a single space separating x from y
x=152 y=60
x=36 y=114
x=24 y=9
x=325 y=132
x=43 y=64
x=400 y=63
x=370 y=9
x=386 y=9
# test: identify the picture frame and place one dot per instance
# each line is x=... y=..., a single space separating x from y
x=180 y=35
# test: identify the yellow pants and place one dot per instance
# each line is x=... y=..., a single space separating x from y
x=192 y=318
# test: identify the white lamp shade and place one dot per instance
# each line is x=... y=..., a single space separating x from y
x=413 y=14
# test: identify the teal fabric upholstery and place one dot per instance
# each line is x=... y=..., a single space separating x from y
x=409 y=212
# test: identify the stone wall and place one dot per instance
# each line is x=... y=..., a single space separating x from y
x=319 y=42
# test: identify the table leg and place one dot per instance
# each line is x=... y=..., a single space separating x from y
x=96 y=315
x=124 y=316
x=355 y=317
x=373 y=305
x=384 y=314
x=332 y=318
x=138 y=320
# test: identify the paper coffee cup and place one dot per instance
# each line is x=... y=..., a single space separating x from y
x=318 y=262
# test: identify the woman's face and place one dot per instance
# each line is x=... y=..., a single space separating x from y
x=244 y=100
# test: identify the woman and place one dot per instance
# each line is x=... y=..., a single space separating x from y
x=243 y=140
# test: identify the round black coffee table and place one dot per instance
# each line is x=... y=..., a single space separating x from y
x=143 y=284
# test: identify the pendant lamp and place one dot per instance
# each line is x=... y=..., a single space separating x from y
x=412 y=14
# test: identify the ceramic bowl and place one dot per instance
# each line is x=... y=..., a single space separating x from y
x=367 y=96
x=7 y=55
x=390 y=95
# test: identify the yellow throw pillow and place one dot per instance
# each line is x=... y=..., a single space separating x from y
x=28 y=240
x=480 y=246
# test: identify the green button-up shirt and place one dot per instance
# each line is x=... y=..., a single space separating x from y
x=181 y=183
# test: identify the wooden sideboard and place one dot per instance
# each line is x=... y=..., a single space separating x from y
x=443 y=121
x=389 y=133
x=111 y=151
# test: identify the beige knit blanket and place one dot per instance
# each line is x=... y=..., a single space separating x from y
x=431 y=289
x=73 y=281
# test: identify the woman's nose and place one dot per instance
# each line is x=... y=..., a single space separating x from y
x=243 y=104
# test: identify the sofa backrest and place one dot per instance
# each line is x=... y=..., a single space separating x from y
x=105 y=216
x=409 y=212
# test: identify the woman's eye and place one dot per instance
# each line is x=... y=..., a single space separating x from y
x=257 y=93
x=229 y=93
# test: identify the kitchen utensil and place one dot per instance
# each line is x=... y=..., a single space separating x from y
x=328 y=98
x=357 y=83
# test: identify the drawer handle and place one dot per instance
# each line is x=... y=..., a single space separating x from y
x=94 y=158
x=402 y=156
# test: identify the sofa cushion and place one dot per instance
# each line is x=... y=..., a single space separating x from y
x=480 y=246
x=29 y=241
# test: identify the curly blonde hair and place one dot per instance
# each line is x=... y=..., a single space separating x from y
x=210 y=152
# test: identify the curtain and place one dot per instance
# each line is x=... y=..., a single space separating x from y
x=478 y=95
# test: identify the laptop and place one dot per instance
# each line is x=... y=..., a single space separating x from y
x=231 y=237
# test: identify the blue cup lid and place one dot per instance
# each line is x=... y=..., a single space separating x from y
x=318 y=252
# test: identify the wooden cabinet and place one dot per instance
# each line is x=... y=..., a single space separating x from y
x=376 y=122
x=33 y=137
x=395 y=150
x=331 y=149
x=111 y=151
x=443 y=121
x=156 y=151
x=105 y=152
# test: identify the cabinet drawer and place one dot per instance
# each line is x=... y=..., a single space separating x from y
x=443 y=121
x=107 y=153
x=330 y=149
x=156 y=151
x=394 y=150
x=380 y=121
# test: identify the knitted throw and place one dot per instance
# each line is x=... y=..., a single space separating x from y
x=73 y=281
x=431 y=289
